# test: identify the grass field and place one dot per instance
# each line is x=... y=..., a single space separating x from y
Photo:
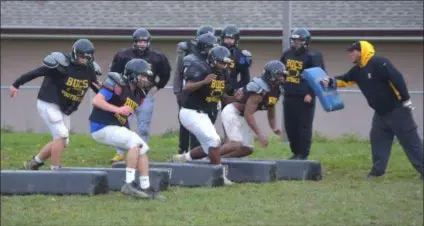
x=343 y=197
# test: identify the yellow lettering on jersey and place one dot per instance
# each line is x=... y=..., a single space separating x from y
x=130 y=103
x=272 y=101
x=293 y=79
x=232 y=64
x=294 y=67
x=217 y=84
x=75 y=89
x=77 y=83
x=73 y=97
x=217 y=92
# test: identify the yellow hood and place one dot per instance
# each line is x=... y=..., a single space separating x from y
x=367 y=51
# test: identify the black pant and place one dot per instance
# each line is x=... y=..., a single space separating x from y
x=185 y=137
x=399 y=123
x=298 y=121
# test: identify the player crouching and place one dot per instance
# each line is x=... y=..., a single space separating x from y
x=120 y=95
x=262 y=93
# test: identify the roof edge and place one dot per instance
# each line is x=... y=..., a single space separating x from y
x=195 y=28
x=177 y=33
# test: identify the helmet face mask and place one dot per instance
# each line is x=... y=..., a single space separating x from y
x=219 y=58
x=82 y=52
x=145 y=81
x=299 y=40
x=274 y=73
x=141 y=45
x=297 y=43
x=230 y=36
x=137 y=72
x=222 y=64
x=84 y=58
x=141 y=40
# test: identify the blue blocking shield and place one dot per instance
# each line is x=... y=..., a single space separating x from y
x=329 y=98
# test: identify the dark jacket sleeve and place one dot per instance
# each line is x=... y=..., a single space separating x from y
x=396 y=79
x=316 y=60
x=118 y=63
x=38 y=72
x=164 y=71
x=178 y=72
x=346 y=79
x=244 y=75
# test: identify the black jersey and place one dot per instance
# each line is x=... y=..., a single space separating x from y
x=208 y=96
x=64 y=84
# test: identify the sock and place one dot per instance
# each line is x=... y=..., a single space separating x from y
x=129 y=175
x=54 y=167
x=187 y=156
x=120 y=151
x=37 y=159
x=144 y=182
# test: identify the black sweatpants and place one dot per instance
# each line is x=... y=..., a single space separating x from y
x=399 y=123
x=298 y=122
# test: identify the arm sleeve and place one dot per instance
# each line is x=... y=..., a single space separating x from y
x=344 y=80
x=178 y=73
x=107 y=93
x=164 y=72
x=245 y=75
x=38 y=72
x=396 y=80
x=118 y=64
x=317 y=60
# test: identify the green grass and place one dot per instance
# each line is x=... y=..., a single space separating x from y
x=343 y=197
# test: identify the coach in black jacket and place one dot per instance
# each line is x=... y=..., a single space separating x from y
x=385 y=90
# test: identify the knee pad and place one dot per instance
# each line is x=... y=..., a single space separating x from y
x=144 y=149
x=61 y=130
x=137 y=141
x=215 y=142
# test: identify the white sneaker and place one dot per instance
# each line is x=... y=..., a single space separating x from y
x=179 y=158
x=227 y=181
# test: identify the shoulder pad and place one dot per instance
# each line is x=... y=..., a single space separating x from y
x=181 y=47
x=194 y=71
x=257 y=85
x=112 y=80
x=245 y=57
x=189 y=59
x=246 y=53
x=55 y=59
x=97 y=68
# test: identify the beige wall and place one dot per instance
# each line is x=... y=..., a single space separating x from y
x=19 y=56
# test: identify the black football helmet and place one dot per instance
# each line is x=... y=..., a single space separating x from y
x=134 y=72
x=205 y=42
x=205 y=29
x=82 y=48
x=230 y=31
x=273 y=71
x=299 y=40
x=139 y=35
x=219 y=58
